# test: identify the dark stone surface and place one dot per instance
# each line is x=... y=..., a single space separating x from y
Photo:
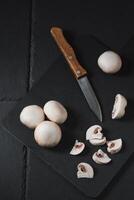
x=54 y=187
x=14 y=49
x=14 y=82
x=109 y=21
x=59 y=84
x=26 y=51
x=11 y=167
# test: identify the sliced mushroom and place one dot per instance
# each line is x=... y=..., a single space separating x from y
x=119 y=107
x=94 y=132
x=95 y=136
x=100 y=157
x=85 y=170
x=114 y=146
x=77 y=148
x=98 y=141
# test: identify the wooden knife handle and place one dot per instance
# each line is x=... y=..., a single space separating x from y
x=68 y=52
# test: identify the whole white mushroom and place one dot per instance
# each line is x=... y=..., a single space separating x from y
x=47 y=134
x=31 y=116
x=110 y=62
x=55 y=112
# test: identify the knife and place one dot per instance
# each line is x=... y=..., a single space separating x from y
x=79 y=72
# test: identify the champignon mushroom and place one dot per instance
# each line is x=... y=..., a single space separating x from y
x=109 y=62
x=95 y=136
x=55 y=112
x=94 y=132
x=114 y=146
x=85 y=170
x=77 y=148
x=119 y=107
x=100 y=157
x=98 y=142
x=31 y=116
x=47 y=134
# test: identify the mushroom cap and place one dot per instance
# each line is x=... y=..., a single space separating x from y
x=31 y=116
x=47 y=134
x=77 y=148
x=100 y=157
x=94 y=132
x=119 y=106
x=114 y=146
x=110 y=62
x=55 y=112
x=85 y=170
x=97 y=142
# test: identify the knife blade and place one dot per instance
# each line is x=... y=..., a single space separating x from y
x=79 y=72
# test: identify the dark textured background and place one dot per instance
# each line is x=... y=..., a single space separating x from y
x=26 y=51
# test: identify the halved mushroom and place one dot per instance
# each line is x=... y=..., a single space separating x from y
x=100 y=157
x=95 y=136
x=94 y=132
x=114 y=146
x=98 y=141
x=119 y=107
x=77 y=148
x=85 y=170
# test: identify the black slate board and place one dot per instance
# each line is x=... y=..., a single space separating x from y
x=59 y=84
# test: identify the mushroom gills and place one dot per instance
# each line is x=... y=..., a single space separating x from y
x=95 y=136
x=101 y=158
x=119 y=107
x=85 y=170
x=77 y=148
x=94 y=132
x=114 y=146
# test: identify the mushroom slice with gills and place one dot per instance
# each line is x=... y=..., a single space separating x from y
x=77 y=148
x=100 y=157
x=95 y=136
x=85 y=170
x=98 y=141
x=114 y=146
x=119 y=107
x=94 y=132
